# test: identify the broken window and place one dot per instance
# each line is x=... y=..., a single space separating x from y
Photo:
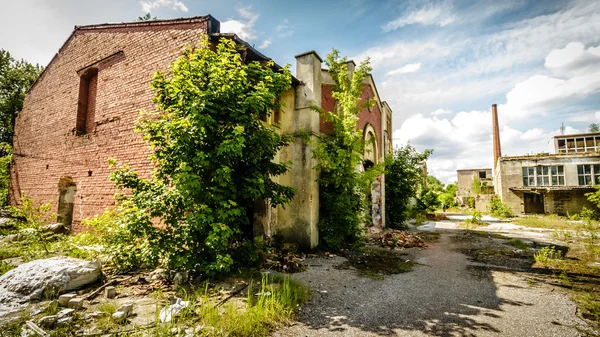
x=277 y=116
x=86 y=105
x=481 y=174
x=588 y=174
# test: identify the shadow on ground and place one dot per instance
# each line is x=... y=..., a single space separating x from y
x=466 y=284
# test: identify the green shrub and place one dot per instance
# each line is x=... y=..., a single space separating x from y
x=4 y=267
x=35 y=219
x=475 y=219
x=213 y=158
x=500 y=209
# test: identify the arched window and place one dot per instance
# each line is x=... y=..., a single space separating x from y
x=86 y=105
x=370 y=152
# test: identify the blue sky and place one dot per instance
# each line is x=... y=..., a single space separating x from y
x=439 y=64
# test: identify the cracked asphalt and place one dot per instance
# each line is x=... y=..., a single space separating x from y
x=445 y=295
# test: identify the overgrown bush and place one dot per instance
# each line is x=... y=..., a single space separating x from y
x=499 y=208
x=475 y=220
x=404 y=177
x=5 y=161
x=36 y=216
x=344 y=207
x=427 y=201
x=213 y=158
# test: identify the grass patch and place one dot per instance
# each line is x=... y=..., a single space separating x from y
x=552 y=221
x=4 y=267
x=519 y=244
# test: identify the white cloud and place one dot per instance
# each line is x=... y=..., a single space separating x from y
x=439 y=112
x=573 y=59
x=439 y=15
x=284 y=30
x=409 y=68
x=265 y=44
x=243 y=28
x=176 y=5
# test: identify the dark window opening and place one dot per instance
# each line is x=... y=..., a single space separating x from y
x=277 y=116
x=481 y=174
x=86 y=105
x=367 y=164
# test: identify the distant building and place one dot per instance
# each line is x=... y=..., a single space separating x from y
x=465 y=179
x=549 y=183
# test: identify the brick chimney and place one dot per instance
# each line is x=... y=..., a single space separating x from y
x=496 y=135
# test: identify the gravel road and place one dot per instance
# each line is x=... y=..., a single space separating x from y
x=445 y=295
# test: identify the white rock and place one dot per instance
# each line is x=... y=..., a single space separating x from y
x=65 y=313
x=29 y=280
x=48 y=321
x=127 y=308
x=64 y=321
x=167 y=313
x=110 y=292
x=119 y=315
x=64 y=299
x=76 y=303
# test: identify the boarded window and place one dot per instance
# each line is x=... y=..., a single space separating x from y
x=86 y=105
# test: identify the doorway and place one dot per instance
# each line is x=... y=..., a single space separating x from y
x=534 y=203
x=66 y=197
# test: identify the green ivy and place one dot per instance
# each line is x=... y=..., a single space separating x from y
x=213 y=158
x=343 y=190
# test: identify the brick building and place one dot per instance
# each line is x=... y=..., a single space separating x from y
x=82 y=108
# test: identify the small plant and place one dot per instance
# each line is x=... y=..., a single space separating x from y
x=4 y=267
x=563 y=235
x=475 y=220
x=35 y=219
x=500 y=209
x=519 y=244
x=547 y=256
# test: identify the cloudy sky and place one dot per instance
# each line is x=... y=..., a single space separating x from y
x=439 y=64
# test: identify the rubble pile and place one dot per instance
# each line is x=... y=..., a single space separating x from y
x=396 y=238
x=283 y=257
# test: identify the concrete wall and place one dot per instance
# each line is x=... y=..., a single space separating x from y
x=568 y=200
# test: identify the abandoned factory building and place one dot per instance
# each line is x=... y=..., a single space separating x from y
x=81 y=111
x=548 y=182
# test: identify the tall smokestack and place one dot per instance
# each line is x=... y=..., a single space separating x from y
x=496 y=135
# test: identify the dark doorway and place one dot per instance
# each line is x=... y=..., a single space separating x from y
x=534 y=203
x=66 y=197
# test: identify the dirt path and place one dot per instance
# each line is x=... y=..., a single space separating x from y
x=445 y=295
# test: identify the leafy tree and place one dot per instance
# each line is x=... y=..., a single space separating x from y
x=343 y=202
x=434 y=184
x=146 y=17
x=404 y=177
x=594 y=127
x=15 y=79
x=449 y=195
x=213 y=158
x=427 y=201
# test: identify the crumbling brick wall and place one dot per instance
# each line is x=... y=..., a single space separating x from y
x=46 y=144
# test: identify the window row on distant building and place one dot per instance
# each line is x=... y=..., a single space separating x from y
x=554 y=175
x=579 y=144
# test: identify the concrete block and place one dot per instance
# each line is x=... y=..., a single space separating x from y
x=63 y=300
x=110 y=292
x=76 y=303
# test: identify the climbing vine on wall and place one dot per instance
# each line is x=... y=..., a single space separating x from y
x=213 y=158
x=343 y=189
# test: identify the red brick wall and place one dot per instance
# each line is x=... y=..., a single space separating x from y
x=46 y=147
x=372 y=117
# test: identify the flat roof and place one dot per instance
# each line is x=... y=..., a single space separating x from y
x=552 y=156
x=552 y=188
x=476 y=169
x=576 y=135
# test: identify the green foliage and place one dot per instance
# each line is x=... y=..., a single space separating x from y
x=594 y=127
x=594 y=197
x=15 y=79
x=4 y=267
x=476 y=185
x=35 y=219
x=546 y=255
x=342 y=190
x=427 y=201
x=404 y=177
x=471 y=202
x=519 y=244
x=213 y=158
x=434 y=184
x=500 y=209
x=448 y=196
x=5 y=161
x=146 y=17
x=475 y=220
